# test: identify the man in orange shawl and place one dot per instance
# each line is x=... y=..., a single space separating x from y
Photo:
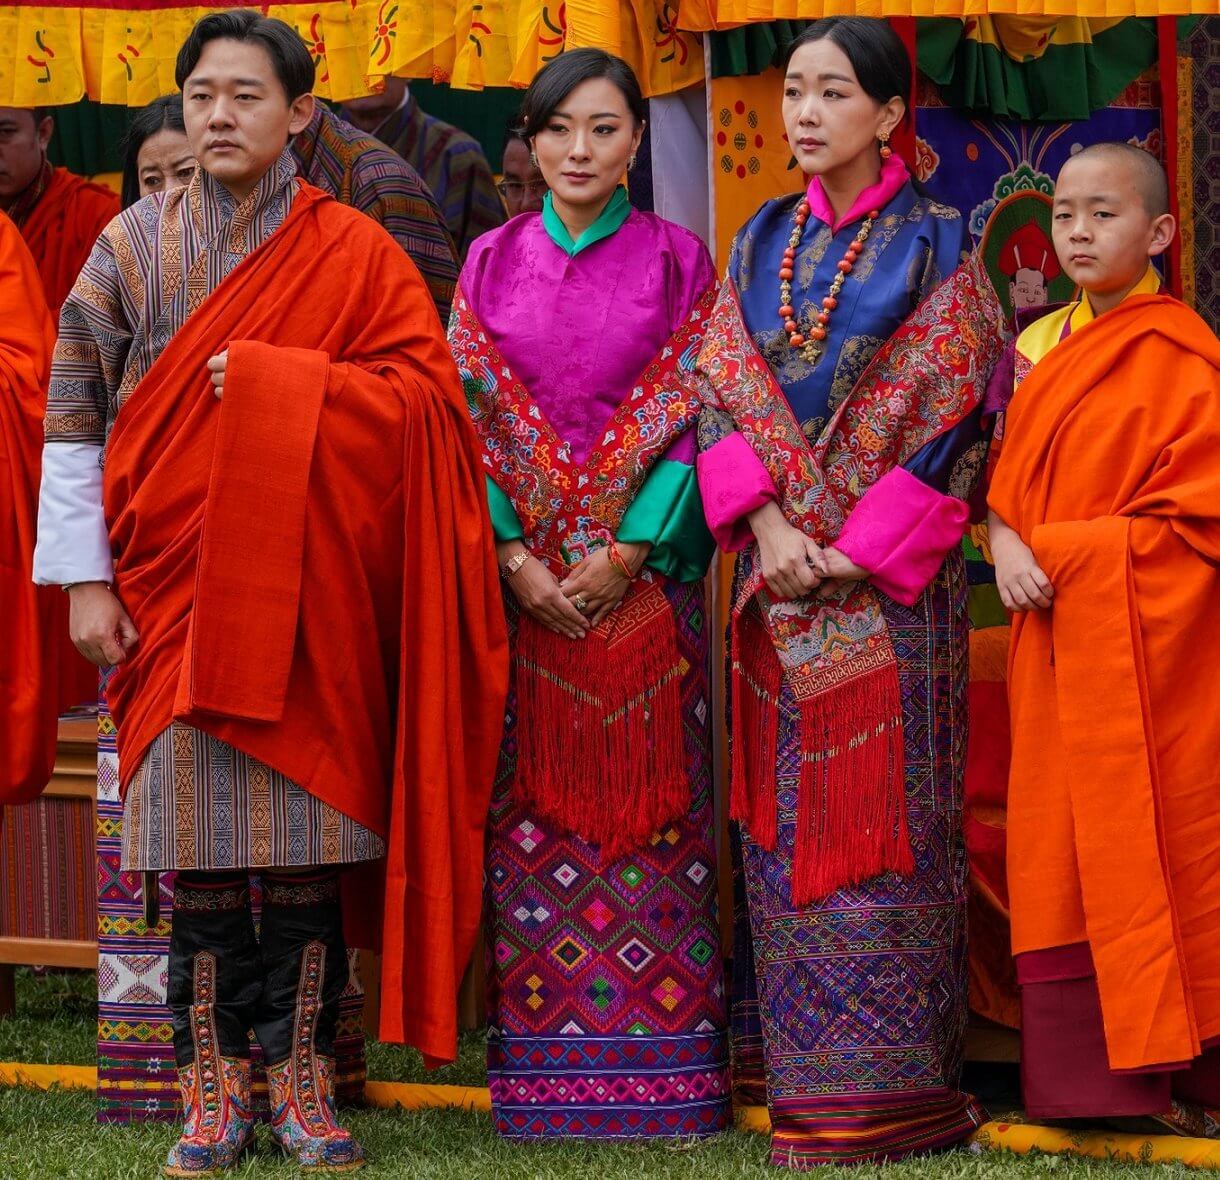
x=60 y=215
x=34 y=620
x=1105 y=526
x=287 y=555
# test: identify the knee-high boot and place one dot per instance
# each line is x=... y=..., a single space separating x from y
x=302 y=946
x=215 y=977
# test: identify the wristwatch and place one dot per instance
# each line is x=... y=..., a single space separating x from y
x=514 y=563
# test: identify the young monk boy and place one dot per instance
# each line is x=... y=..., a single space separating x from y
x=1105 y=525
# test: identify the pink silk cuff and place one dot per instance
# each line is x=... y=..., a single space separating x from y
x=733 y=483
x=900 y=532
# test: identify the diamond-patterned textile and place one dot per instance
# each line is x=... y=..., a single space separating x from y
x=1200 y=105
x=136 y=1075
x=862 y=996
x=605 y=987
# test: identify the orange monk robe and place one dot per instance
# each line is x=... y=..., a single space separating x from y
x=33 y=621
x=61 y=228
x=309 y=565
x=1109 y=472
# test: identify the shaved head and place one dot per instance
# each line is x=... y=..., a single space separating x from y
x=1142 y=168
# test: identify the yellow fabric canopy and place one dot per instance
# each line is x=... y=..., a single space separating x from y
x=123 y=51
x=707 y=15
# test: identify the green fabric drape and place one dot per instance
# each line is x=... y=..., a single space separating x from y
x=751 y=49
x=88 y=137
x=484 y=114
x=1068 y=82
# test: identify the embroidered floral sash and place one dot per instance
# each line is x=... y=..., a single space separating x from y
x=835 y=654
x=600 y=748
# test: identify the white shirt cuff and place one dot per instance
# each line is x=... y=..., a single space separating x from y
x=73 y=541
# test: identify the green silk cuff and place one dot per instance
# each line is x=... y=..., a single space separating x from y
x=504 y=522
x=668 y=514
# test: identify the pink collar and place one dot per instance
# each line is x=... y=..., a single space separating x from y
x=893 y=176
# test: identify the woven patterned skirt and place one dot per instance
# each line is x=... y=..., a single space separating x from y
x=195 y=802
x=605 y=985
x=862 y=997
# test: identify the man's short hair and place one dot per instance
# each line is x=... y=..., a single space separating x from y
x=292 y=60
x=1149 y=176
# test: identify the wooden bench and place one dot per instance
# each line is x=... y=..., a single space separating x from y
x=40 y=936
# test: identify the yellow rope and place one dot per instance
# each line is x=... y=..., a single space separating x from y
x=994 y=1136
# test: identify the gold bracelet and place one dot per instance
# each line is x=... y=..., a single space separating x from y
x=514 y=563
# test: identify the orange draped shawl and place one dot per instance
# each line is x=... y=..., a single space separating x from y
x=35 y=620
x=309 y=565
x=62 y=227
x=1109 y=472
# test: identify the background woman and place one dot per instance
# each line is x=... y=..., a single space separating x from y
x=849 y=621
x=571 y=330
x=157 y=156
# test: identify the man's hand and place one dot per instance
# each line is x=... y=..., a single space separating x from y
x=217 y=366
x=836 y=570
x=1021 y=581
x=98 y=624
x=788 y=556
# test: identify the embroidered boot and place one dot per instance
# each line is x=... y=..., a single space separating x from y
x=215 y=977
x=302 y=945
x=215 y=1093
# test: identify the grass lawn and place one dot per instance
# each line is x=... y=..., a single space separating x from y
x=55 y=1134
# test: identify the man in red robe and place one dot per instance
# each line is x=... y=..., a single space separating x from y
x=59 y=214
x=287 y=556
x=31 y=617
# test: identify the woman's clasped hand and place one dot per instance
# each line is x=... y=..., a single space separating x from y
x=794 y=565
x=537 y=591
x=589 y=591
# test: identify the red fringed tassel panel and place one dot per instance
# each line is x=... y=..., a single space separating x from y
x=851 y=809
x=757 y=681
x=600 y=745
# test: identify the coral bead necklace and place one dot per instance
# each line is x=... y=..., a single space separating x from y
x=811 y=344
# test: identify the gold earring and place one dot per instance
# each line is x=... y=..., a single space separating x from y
x=886 y=150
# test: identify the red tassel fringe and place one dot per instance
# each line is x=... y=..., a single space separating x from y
x=851 y=807
x=757 y=680
x=600 y=737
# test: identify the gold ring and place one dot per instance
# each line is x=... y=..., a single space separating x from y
x=580 y=604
